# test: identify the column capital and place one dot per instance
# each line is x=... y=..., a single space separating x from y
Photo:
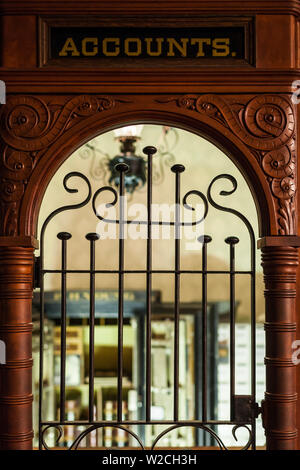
x=284 y=241
x=21 y=241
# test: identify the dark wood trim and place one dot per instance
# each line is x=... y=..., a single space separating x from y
x=279 y=241
x=205 y=80
x=24 y=241
x=277 y=7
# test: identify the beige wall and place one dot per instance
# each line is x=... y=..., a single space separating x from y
x=203 y=161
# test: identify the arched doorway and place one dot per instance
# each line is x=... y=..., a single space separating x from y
x=75 y=120
x=209 y=375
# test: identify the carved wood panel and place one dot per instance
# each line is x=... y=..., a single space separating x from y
x=265 y=124
x=29 y=125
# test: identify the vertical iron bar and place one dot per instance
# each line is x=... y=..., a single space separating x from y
x=63 y=236
x=177 y=169
x=232 y=241
x=206 y=239
x=122 y=168
x=41 y=358
x=253 y=336
x=92 y=331
x=92 y=237
x=149 y=151
x=232 y=332
x=198 y=375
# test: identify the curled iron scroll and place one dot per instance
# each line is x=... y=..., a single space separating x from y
x=229 y=209
x=251 y=437
x=70 y=206
x=94 y=427
x=210 y=431
x=145 y=222
x=58 y=427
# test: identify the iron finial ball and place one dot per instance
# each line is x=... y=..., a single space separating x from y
x=122 y=167
x=64 y=236
x=204 y=239
x=93 y=236
x=178 y=168
x=149 y=150
x=232 y=240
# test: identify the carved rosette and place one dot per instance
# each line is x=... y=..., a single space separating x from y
x=266 y=124
x=29 y=125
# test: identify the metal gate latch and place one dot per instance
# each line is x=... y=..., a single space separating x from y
x=245 y=409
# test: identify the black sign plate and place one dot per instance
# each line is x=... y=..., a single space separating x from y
x=200 y=45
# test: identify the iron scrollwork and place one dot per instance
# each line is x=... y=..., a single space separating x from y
x=44 y=430
x=90 y=428
x=212 y=433
x=154 y=222
x=83 y=203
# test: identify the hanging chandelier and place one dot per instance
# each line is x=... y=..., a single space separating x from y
x=102 y=165
x=136 y=174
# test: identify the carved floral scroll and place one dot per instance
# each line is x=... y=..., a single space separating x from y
x=266 y=124
x=29 y=126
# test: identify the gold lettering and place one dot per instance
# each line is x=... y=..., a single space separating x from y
x=137 y=43
x=69 y=46
x=221 y=47
x=200 y=42
x=182 y=48
x=116 y=41
x=159 y=42
x=86 y=41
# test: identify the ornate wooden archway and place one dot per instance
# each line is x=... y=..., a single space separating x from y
x=251 y=117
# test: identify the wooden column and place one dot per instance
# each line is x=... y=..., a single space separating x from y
x=280 y=261
x=16 y=284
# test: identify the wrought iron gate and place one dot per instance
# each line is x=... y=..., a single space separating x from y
x=243 y=408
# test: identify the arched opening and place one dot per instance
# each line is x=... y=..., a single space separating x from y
x=218 y=278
